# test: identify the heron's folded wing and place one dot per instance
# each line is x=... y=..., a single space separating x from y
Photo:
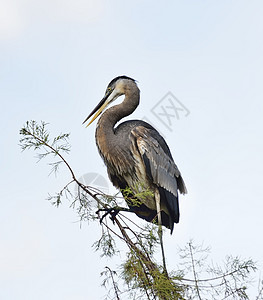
x=158 y=160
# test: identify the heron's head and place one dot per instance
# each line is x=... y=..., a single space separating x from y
x=115 y=88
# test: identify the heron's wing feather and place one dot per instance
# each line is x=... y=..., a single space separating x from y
x=160 y=168
x=158 y=160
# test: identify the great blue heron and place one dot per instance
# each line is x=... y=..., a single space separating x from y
x=137 y=157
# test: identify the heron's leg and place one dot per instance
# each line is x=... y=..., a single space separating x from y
x=160 y=229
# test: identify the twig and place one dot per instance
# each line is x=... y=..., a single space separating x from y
x=194 y=272
x=114 y=283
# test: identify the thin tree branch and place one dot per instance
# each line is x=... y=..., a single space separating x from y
x=114 y=284
x=194 y=272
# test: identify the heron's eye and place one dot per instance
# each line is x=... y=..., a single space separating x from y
x=109 y=89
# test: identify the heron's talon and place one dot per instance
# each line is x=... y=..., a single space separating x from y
x=112 y=211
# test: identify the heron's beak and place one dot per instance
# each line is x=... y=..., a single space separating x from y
x=97 y=110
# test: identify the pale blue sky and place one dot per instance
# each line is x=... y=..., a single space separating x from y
x=56 y=59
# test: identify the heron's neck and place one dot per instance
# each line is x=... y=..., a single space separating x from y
x=106 y=139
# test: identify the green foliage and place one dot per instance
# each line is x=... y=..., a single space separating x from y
x=36 y=137
x=135 y=195
x=149 y=284
x=106 y=244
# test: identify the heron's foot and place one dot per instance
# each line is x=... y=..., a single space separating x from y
x=113 y=211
